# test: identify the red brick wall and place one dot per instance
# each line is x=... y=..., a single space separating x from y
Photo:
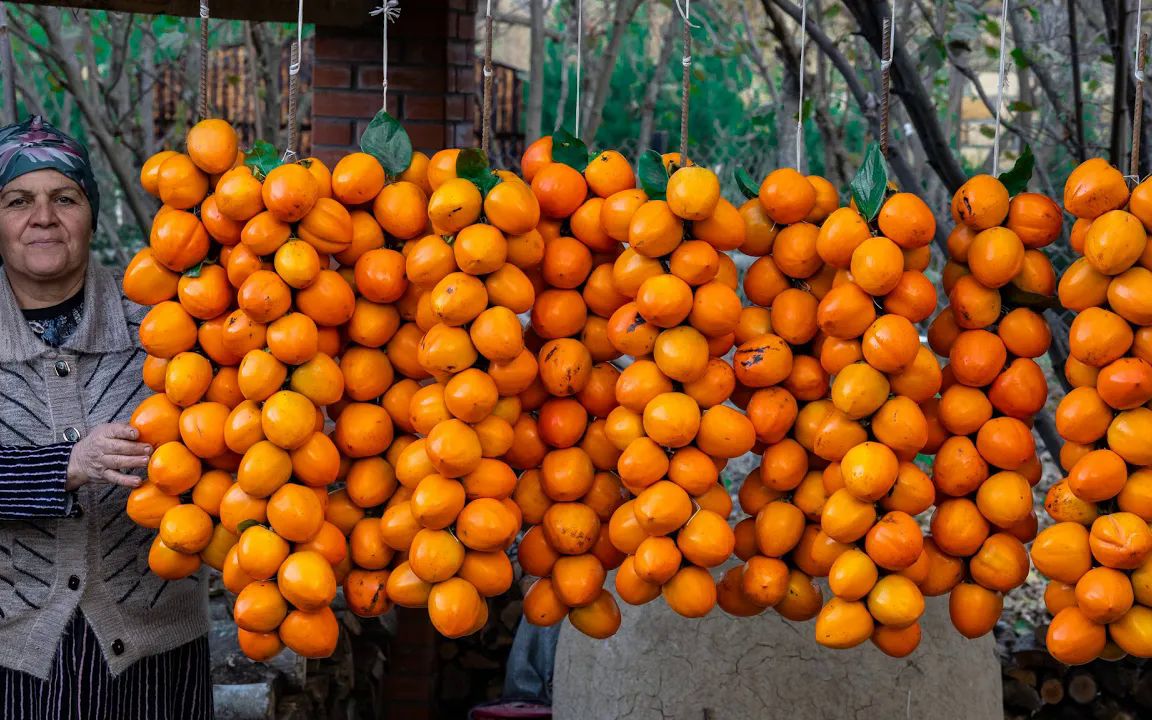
x=430 y=78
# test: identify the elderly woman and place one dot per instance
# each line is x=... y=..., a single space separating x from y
x=86 y=631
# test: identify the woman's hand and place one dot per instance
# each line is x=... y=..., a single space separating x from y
x=104 y=453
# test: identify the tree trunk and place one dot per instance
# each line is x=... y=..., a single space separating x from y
x=602 y=77
x=7 y=70
x=1077 y=87
x=64 y=53
x=1114 y=17
x=562 y=100
x=269 y=52
x=786 y=120
x=535 y=112
x=906 y=85
x=146 y=81
x=662 y=31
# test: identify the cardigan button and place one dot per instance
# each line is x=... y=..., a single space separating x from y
x=71 y=434
x=62 y=368
x=73 y=583
x=118 y=646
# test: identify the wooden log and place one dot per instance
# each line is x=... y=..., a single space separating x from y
x=1142 y=693
x=1052 y=691
x=1036 y=660
x=1082 y=688
x=1019 y=695
x=1117 y=679
x=1028 y=677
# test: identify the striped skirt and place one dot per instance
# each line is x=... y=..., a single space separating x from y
x=175 y=685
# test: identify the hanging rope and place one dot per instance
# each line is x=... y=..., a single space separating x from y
x=1001 y=79
x=294 y=85
x=579 y=59
x=888 y=47
x=1138 y=109
x=391 y=12
x=486 y=125
x=800 y=96
x=686 y=77
x=203 y=105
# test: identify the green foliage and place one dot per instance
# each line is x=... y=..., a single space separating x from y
x=746 y=184
x=472 y=165
x=717 y=107
x=262 y=158
x=653 y=175
x=1016 y=179
x=870 y=183
x=386 y=140
x=570 y=150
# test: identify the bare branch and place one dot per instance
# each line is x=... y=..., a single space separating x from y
x=535 y=121
x=912 y=93
x=602 y=74
x=63 y=55
x=663 y=31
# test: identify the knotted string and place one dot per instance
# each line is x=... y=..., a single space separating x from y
x=203 y=105
x=686 y=76
x=1001 y=79
x=294 y=85
x=888 y=48
x=391 y=12
x=486 y=122
x=800 y=95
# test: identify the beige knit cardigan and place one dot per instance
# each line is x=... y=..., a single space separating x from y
x=97 y=561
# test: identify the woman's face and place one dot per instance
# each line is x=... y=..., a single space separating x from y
x=45 y=225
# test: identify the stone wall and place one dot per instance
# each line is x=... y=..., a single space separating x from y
x=660 y=666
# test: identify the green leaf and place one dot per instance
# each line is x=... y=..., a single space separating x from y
x=569 y=149
x=386 y=140
x=1014 y=297
x=1016 y=179
x=245 y=524
x=653 y=175
x=194 y=272
x=472 y=165
x=746 y=183
x=870 y=183
x=1020 y=106
x=987 y=131
x=1020 y=58
x=263 y=157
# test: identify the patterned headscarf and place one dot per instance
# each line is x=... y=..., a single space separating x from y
x=35 y=145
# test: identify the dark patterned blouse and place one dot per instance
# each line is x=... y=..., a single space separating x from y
x=55 y=324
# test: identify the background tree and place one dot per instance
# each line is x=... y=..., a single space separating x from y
x=104 y=75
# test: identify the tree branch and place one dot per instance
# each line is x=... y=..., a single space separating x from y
x=659 y=70
x=917 y=103
x=602 y=75
x=534 y=123
x=63 y=54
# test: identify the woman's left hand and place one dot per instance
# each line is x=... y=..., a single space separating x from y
x=105 y=453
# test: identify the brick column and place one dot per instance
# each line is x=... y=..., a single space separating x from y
x=430 y=51
x=462 y=49
x=410 y=684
